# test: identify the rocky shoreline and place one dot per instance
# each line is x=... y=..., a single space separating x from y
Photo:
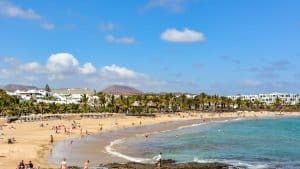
x=166 y=164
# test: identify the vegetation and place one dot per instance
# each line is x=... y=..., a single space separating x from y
x=143 y=104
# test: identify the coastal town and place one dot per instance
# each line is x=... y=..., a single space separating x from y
x=150 y=84
x=120 y=107
x=75 y=95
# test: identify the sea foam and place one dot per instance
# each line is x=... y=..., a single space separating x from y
x=109 y=149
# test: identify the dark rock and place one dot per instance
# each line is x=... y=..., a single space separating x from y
x=169 y=164
x=73 y=167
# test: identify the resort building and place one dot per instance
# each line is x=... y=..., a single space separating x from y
x=80 y=91
x=63 y=96
x=29 y=94
x=287 y=98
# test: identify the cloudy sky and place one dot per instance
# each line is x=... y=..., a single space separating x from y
x=219 y=47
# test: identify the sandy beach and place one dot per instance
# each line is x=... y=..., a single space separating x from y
x=33 y=139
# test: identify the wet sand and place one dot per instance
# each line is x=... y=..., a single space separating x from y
x=93 y=148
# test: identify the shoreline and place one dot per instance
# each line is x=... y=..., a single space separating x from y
x=81 y=147
x=132 y=157
x=36 y=145
x=121 y=157
x=110 y=148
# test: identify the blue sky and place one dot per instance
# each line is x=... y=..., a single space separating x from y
x=219 y=47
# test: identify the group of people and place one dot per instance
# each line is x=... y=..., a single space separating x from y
x=22 y=165
x=58 y=129
x=63 y=164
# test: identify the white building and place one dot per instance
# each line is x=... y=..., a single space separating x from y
x=42 y=96
x=287 y=98
x=27 y=95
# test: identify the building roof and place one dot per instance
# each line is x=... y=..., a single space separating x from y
x=86 y=91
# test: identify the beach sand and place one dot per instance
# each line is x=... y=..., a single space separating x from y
x=33 y=141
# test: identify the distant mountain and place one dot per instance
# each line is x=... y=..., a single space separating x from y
x=14 y=87
x=121 y=90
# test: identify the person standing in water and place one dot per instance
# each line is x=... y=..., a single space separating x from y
x=159 y=160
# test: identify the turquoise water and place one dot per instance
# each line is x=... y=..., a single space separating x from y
x=263 y=143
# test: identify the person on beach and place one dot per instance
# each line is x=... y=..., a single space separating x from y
x=86 y=164
x=9 y=141
x=159 y=158
x=30 y=165
x=63 y=164
x=21 y=165
x=51 y=139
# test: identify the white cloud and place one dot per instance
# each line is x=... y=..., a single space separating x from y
x=48 y=26
x=10 y=10
x=186 y=35
x=61 y=64
x=33 y=67
x=87 y=69
x=115 y=71
x=122 y=40
x=58 y=66
x=64 y=70
x=106 y=27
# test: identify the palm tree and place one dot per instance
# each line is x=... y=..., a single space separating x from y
x=102 y=99
x=84 y=101
x=257 y=104
x=201 y=99
x=182 y=102
x=278 y=103
x=238 y=102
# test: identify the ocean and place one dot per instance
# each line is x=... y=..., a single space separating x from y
x=254 y=144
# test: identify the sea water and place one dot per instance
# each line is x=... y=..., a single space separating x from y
x=255 y=143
